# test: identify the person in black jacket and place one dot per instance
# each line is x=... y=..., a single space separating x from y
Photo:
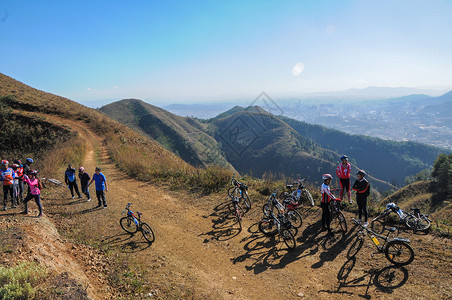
x=71 y=181
x=84 y=180
x=362 y=188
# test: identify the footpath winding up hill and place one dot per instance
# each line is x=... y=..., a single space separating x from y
x=199 y=252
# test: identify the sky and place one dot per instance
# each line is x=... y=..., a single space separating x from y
x=90 y=51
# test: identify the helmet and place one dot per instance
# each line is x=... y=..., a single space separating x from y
x=5 y=162
x=361 y=172
x=29 y=160
x=14 y=166
x=17 y=161
x=326 y=176
x=33 y=172
x=81 y=169
x=344 y=157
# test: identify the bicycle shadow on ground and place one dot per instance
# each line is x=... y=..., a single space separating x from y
x=224 y=224
x=88 y=210
x=78 y=201
x=127 y=242
x=386 y=279
x=333 y=245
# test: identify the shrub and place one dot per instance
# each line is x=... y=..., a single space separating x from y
x=17 y=282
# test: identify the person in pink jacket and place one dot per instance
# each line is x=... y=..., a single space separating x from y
x=343 y=172
x=35 y=191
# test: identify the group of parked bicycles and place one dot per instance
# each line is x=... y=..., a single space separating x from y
x=281 y=218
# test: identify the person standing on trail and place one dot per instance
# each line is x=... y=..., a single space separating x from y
x=20 y=177
x=362 y=188
x=101 y=187
x=15 y=167
x=7 y=176
x=71 y=181
x=343 y=172
x=35 y=191
x=27 y=169
x=327 y=196
x=84 y=180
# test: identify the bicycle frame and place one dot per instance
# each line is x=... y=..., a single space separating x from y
x=130 y=213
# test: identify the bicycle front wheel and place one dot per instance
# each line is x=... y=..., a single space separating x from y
x=355 y=247
x=245 y=201
x=338 y=222
x=420 y=224
x=295 y=218
x=342 y=222
x=239 y=213
x=307 y=195
x=288 y=238
x=128 y=224
x=268 y=227
x=399 y=253
x=147 y=232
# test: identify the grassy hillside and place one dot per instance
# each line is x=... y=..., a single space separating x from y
x=186 y=137
x=134 y=153
x=384 y=159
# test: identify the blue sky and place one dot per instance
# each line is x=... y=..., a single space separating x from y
x=94 y=50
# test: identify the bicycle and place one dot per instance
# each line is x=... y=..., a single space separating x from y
x=52 y=181
x=287 y=209
x=397 y=250
x=235 y=208
x=131 y=224
x=272 y=225
x=414 y=220
x=300 y=193
x=338 y=220
x=240 y=190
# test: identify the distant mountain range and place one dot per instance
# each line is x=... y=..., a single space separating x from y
x=253 y=141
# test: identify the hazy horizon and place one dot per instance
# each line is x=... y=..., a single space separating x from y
x=96 y=52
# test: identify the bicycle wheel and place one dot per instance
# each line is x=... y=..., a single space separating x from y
x=239 y=213
x=128 y=224
x=399 y=253
x=378 y=226
x=245 y=201
x=268 y=227
x=307 y=195
x=420 y=224
x=295 y=218
x=355 y=247
x=342 y=222
x=288 y=238
x=233 y=192
x=147 y=232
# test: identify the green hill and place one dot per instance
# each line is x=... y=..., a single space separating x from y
x=186 y=137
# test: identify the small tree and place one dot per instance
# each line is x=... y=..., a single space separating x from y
x=442 y=173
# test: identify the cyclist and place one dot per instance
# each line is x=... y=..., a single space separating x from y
x=7 y=177
x=71 y=181
x=84 y=180
x=101 y=187
x=20 y=174
x=362 y=188
x=343 y=172
x=35 y=191
x=327 y=196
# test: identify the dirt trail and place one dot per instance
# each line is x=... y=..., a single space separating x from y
x=199 y=249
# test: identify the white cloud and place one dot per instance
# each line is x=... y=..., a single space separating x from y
x=297 y=69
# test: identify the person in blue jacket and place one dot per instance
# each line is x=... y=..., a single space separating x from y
x=101 y=187
x=71 y=181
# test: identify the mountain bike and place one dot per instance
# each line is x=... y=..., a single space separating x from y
x=300 y=193
x=52 y=181
x=397 y=250
x=240 y=190
x=131 y=224
x=235 y=209
x=414 y=220
x=338 y=221
x=280 y=224
x=274 y=206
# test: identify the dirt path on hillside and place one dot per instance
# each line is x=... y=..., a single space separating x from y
x=200 y=253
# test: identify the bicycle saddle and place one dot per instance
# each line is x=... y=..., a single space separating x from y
x=289 y=186
x=390 y=229
x=138 y=213
x=416 y=209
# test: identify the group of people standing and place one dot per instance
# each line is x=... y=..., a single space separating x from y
x=14 y=177
x=361 y=186
x=85 y=181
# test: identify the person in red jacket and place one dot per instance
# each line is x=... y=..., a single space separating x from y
x=7 y=176
x=343 y=172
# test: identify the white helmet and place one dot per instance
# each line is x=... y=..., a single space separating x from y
x=326 y=176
